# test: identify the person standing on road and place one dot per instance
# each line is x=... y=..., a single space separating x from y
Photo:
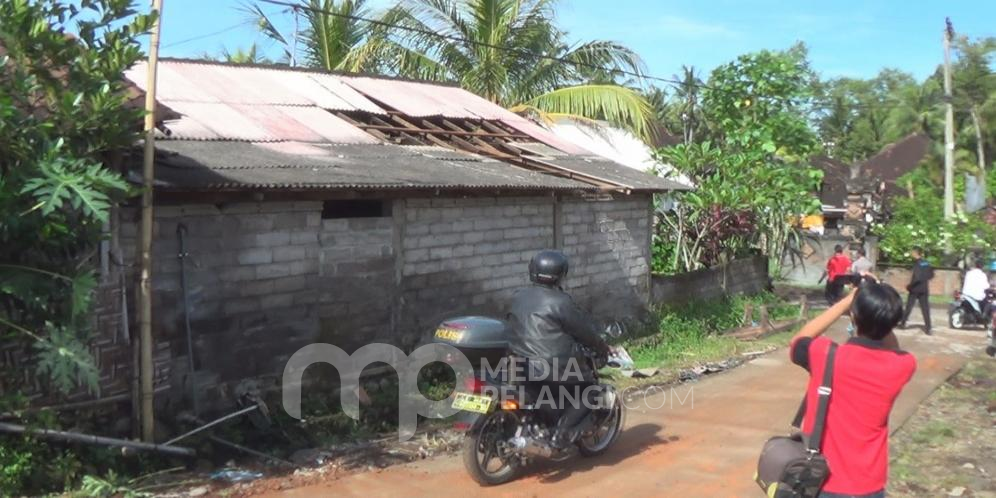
x=861 y=265
x=838 y=266
x=859 y=268
x=919 y=289
x=869 y=373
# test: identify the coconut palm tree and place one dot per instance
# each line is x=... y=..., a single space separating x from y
x=331 y=36
x=687 y=93
x=510 y=52
x=250 y=55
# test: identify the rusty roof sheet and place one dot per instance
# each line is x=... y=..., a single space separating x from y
x=429 y=100
x=210 y=165
x=263 y=119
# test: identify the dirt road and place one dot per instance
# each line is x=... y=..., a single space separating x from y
x=702 y=443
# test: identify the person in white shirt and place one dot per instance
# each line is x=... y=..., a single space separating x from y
x=975 y=285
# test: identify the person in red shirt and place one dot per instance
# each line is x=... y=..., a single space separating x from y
x=869 y=373
x=838 y=266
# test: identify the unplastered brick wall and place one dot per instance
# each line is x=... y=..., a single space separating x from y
x=608 y=243
x=264 y=279
x=467 y=256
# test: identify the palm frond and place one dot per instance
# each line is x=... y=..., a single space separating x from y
x=618 y=105
x=262 y=22
x=591 y=56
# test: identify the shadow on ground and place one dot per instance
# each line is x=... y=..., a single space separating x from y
x=632 y=442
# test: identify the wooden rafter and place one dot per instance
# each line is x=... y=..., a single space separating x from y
x=482 y=137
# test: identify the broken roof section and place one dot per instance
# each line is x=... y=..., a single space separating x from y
x=324 y=130
x=615 y=144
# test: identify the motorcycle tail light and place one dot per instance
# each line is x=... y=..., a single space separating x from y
x=461 y=426
x=473 y=384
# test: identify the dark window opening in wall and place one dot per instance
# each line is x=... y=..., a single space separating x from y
x=355 y=208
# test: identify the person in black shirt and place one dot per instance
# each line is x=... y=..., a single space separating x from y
x=919 y=289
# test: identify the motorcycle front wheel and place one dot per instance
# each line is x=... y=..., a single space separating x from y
x=485 y=452
x=605 y=433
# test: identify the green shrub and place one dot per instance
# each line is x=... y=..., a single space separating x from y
x=920 y=222
x=691 y=329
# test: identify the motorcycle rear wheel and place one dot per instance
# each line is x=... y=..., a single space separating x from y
x=606 y=433
x=956 y=319
x=482 y=448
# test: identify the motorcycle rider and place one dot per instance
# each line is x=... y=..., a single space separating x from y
x=546 y=327
x=974 y=288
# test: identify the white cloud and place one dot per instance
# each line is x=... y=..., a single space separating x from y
x=685 y=27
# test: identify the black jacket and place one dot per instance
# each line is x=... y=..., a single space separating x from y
x=922 y=274
x=545 y=323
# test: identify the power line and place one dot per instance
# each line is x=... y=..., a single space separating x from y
x=208 y=35
x=670 y=81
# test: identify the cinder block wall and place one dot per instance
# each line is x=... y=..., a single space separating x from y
x=608 y=243
x=266 y=278
x=742 y=276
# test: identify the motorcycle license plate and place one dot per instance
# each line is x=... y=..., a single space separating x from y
x=472 y=403
x=449 y=334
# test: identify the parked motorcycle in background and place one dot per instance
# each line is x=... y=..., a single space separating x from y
x=502 y=436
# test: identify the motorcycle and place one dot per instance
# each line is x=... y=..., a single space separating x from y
x=504 y=433
x=965 y=312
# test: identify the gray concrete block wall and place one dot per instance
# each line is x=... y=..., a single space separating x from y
x=467 y=256
x=608 y=244
x=742 y=276
x=265 y=279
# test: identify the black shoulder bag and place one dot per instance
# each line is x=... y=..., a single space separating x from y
x=789 y=466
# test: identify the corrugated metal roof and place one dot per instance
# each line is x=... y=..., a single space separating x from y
x=600 y=167
x=426 y=100
x=244 y=108
x=186 y=165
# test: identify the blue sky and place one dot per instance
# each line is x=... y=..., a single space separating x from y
x=845 y=37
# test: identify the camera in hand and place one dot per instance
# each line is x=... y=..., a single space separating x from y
x=858 y=281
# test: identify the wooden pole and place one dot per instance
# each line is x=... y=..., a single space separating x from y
x=145 y=282
x=948 y=125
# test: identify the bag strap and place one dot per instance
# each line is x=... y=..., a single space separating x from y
x=826 y=387
x=801 y=412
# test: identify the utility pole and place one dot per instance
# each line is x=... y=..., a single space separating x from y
x=145 y=282
x=948 y=124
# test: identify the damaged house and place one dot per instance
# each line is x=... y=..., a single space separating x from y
x=295 y=207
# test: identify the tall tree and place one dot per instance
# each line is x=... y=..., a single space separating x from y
x=687 y=96
x=510 y=52
x=249 y=55
x=331 y=36
x=64 y=116
x=856 y=118
x=975 y=88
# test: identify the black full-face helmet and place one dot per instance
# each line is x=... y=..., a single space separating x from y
x=548 y=267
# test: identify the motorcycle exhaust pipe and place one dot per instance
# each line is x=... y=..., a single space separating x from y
x=532 y=447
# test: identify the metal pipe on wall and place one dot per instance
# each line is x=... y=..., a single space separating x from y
x=181 y=230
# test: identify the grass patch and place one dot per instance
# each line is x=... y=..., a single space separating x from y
x=948 y=442
x=934 y=433
x=691 y=332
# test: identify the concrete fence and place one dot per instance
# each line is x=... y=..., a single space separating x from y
x=945 y=281
x=742 y=276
